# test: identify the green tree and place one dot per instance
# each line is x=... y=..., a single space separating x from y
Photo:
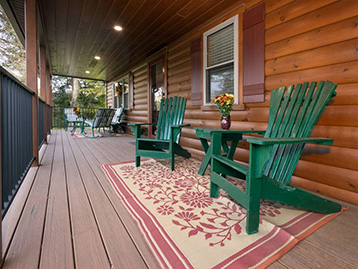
x=92 y=93
x=12 y=53
x=61 y=91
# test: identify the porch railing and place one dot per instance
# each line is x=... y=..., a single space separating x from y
x=59 y=117
x=41 y=114
x=16 y=134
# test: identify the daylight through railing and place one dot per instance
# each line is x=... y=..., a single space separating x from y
x=16 y=134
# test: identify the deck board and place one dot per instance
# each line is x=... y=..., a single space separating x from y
x=89 y=250
x=105 y=156
x=57 y=222
x=25 y=247
x=67 y=215
x=120 y=248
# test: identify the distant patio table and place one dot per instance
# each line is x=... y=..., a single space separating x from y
x=206 y=134
x=78 y=123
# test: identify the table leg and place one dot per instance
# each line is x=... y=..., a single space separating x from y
x=233 y=146
x=207 y=157
x=74 y=128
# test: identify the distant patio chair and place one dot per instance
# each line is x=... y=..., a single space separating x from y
x=69 y=117
x=102 y=119
x=116 y=121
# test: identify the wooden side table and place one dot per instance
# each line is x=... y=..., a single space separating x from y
x=206 y=134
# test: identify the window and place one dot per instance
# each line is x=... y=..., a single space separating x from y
x=221 y=60
x=121 y=93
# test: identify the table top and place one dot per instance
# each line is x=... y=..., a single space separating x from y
x=219 y=130
x=76 y=120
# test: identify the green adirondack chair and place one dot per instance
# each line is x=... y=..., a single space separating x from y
x=166 y=143
x=102 y=120
x=273 y=158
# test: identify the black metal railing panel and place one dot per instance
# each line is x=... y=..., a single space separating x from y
x=48 y=114
x=41 y=123
x=16 y=134
x=58 y=114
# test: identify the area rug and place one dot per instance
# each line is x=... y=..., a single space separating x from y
x=79 y=135
x=185 y=228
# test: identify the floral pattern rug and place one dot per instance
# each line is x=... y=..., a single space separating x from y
x=88 y=131
x=185 y=228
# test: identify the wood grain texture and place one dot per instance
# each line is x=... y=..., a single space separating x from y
x=24 y=250
x=87 y=242
x=294 y=10
x=313 y=20
x=56 y=243
x=112 y=231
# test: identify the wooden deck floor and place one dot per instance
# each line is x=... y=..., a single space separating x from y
x=67 y=216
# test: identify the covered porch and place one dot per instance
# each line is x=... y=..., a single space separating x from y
x=67 y=215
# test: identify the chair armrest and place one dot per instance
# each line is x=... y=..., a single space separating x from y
x=140 y=124
x=180 y=125
x=278 y=141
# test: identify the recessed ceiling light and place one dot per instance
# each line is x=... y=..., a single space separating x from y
x=118 y=28
x=87 y=72
x=97 y=57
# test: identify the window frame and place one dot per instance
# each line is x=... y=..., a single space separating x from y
x=235 y=21
x=121 y=97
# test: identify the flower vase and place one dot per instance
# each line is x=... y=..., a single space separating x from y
x=225 y=122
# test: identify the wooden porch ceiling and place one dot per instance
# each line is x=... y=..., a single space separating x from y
x=77 y=30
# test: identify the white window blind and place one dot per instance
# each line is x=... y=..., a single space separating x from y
x=221 y=46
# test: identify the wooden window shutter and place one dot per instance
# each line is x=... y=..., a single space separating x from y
x=254 y=54
x=131 y=91
x=196 y=72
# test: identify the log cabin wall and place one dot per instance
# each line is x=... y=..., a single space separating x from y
x=140 y=96
x=304 y=41
x=109 y=95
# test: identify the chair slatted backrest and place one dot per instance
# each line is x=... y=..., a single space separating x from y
x=171 y=112
x=117 y=116
x=98 y=118
x=70 y=115
x=293 y=113
x=107 y=118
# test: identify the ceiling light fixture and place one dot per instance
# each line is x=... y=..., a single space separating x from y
x=97 y=57
x=118 y=28
x=87 y=72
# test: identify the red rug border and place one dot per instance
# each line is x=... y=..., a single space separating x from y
x=264 y=264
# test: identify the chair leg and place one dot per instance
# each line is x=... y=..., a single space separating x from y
x=137 y=161
x=214 y=190
x=172 y=162
x=253 y=216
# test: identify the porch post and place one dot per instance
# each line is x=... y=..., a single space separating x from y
x=49 y=94
x=31 y=68
x=43 y=74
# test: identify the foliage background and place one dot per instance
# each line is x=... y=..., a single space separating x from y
x=12 y=53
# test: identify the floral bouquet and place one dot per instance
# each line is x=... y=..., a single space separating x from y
x=224 y=103
x=77 y=111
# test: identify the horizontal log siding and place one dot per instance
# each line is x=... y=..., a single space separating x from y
x=109 y=95
x=304 y=41
x=312 y=41
x=140 y=108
